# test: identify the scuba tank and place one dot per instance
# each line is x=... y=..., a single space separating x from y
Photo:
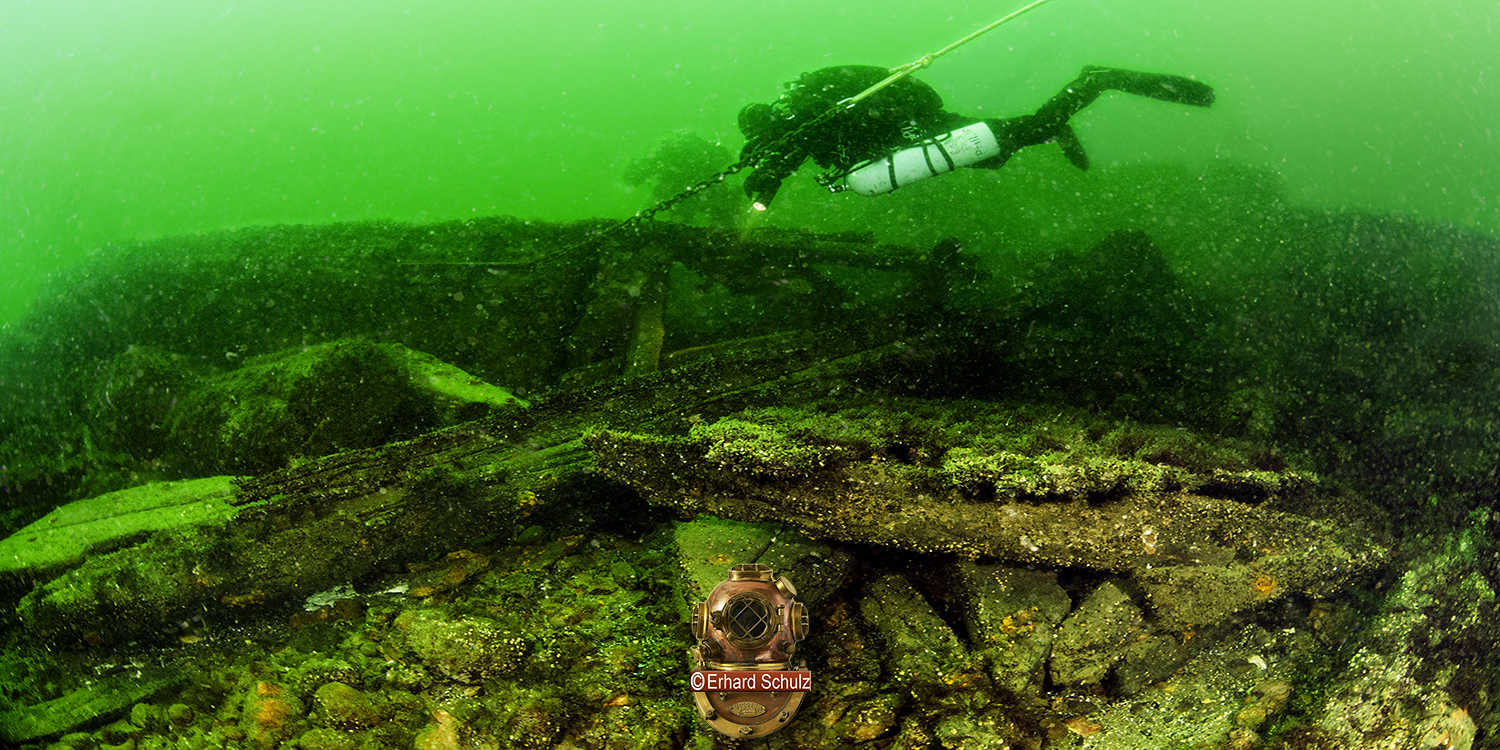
x=933 y=156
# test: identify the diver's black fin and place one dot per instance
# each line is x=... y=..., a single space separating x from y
x=1071 y=147
x=1167 y=88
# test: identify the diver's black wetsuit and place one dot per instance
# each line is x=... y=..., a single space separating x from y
x=908 y=111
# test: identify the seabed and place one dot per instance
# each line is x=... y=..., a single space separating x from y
x=456 y=486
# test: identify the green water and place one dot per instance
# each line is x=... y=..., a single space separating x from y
x=122 y=120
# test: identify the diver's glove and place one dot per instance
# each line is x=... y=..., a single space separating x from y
x=761 y=187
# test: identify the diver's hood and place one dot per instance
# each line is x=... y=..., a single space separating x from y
x=756 y=119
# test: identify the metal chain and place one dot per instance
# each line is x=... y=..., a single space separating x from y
x=692 y=190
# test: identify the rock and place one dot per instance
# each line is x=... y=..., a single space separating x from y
x=270 y=715
x=990 y=731
x=1094 y=636
x=1197 y=705
x=922 y=654
x=707 y=547
x=851 y=655
x=317 y=671
x=323 y=738
x=1187 y=595
x=121 y=731
x=407 y=677
x=320 y=400
x=831 y=711
x=180 y=715
x=1012 y=615
x=147 y=716
x=277 y=407
x=1407 y=683
x=872 y=718
x=135 y=396
x=340 y=706
x=532 y=719
x=1146 y=660
x=443 y=732
x=624 y=574
x=639 y=723
x=468 y=650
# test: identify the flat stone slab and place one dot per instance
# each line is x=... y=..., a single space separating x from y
x=113 y=520
x=707 y=547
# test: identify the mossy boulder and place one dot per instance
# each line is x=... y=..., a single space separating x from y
x=341 y=706
x=320 y=400
x=1011 y=616
x=1094 y=636
x=464 y=649
x=922 y=653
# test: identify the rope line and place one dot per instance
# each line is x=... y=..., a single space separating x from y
x=902 y=71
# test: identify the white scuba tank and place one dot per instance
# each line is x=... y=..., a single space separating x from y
x=934 y=156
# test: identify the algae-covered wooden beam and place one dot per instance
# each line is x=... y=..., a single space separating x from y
x=1205 y=526
x=318 y=523
x=300 y=530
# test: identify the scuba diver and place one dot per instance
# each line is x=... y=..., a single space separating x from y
x=901 y=133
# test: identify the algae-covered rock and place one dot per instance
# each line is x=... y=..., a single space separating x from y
x=136 y=394
x=1200 y=594
x=320 y=400
x=444 y=731
x=922 y=654
x=1413 y=679
x=1011 y=615
x=1244 y=676
x=466 y=649
x=1095 y=636
x=270 y=715
x=1147 y=660
x=332 y=398
x=708 y=547
x=298 y=403
x=991 y=730
x=342 y=706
